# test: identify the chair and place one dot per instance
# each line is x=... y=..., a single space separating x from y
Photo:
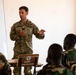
x=28 y=60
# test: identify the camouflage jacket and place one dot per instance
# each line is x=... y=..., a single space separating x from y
x=23 y=44
x=55 y=70
x=4 y=66
x=69 y=57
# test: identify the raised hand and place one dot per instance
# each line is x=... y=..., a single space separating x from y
x=41 y=31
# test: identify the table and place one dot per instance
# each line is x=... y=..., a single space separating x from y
x=13 y=63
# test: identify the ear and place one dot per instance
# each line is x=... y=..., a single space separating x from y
x=27 y=13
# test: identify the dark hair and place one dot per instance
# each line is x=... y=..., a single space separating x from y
x=25 y=8
x=69 y=41
x=54 y=54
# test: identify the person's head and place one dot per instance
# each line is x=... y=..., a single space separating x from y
x=54 y=54
x=23 y=12
x=69 y=41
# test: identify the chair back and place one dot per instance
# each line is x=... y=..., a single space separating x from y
x=28 y=59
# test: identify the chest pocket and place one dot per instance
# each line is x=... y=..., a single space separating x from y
x=28 y=31
x=17 y=29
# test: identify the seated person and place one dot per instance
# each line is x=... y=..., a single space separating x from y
x=54 y=66
x=4 y=66
x=69 y=55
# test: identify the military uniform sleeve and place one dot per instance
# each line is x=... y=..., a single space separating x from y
x=63 y=60
x=6 y=67
x=69 y=72
x=73 y=54
x=13 y=35
x=35 y=31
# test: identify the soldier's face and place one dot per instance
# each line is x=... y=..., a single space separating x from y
x=23 y=14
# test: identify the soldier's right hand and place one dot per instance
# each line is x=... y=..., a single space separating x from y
x=22 y=33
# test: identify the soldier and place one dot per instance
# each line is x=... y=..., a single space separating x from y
x=69 y=55
x=21 y=33
x=54 y=65
x=4 y=66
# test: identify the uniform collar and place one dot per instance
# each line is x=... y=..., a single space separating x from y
x=24 y=22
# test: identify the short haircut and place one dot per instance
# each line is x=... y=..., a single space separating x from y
x=25 y=8
x=69 y=41
x=54 y=53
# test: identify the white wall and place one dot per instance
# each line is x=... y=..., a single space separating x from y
x=57 y=17
x=3 y=43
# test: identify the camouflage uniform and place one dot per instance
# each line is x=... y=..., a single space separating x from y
x=23 y=44
x=68 y=57
x=55 y=70
x=4 y=66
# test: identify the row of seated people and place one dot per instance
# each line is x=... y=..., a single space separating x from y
x=59 y=62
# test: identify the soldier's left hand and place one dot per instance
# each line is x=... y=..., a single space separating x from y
x=41 y=31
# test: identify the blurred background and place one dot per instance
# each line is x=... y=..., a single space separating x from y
x=57 y=17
